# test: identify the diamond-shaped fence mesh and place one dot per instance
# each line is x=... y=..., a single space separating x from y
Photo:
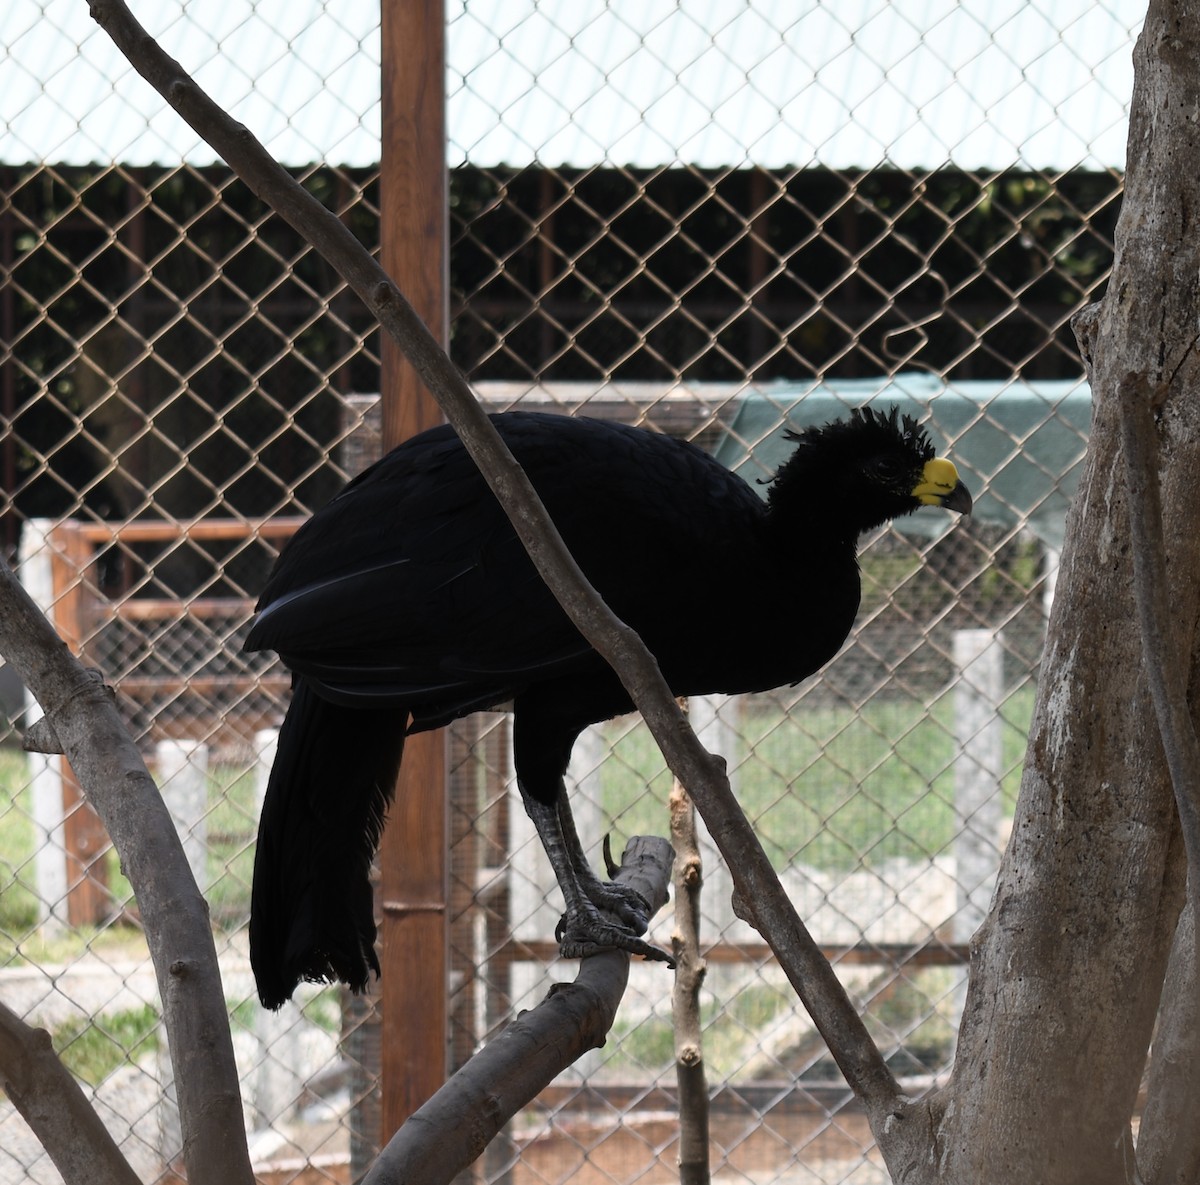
x=713 y=220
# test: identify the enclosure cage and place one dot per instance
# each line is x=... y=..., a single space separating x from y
x=716 y=221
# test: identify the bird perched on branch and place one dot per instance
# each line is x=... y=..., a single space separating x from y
x=408 y=602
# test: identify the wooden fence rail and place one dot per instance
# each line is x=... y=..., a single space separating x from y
x=59 y=566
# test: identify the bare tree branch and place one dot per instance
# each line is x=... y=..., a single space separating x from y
x=40 y=737
x=174 y=914
x=809 y=972
x=57 y=1111
x=435 y=1144
x=1166 y=664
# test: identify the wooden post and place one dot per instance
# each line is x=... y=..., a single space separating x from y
x=45 y=775
x=88 y=901
x=10 y=523
x=413 y=857
x=56 y=561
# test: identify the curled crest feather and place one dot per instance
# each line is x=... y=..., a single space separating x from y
x=865 y=423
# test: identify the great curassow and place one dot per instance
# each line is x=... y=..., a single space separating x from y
x=408 y=602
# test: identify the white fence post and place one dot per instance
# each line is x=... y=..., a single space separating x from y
x=978 y=770
x=46 y=789
x=45 y=772
x=1053 y=563
x=182 y=768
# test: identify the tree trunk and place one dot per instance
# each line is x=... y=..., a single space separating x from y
x=1169 y=1141
x=1067 y=969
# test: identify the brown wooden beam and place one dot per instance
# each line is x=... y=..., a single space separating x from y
x=862 y=954
x=88 y=899
x=413 y=857
x=168 y=530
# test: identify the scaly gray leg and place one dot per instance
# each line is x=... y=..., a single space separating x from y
x=582 y=930
x=628 y=904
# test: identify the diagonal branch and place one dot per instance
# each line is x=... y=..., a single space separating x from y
x=807 y=969
x=57 y=1111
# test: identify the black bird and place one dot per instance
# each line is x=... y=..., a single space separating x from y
x=408 y=602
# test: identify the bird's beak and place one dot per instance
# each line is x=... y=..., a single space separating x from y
x=940 y=486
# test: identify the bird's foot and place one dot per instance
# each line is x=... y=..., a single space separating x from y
x=627 y=905
x=585 y=932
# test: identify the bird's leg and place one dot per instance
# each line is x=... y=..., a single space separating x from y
x=628 y=904
x=582 y=930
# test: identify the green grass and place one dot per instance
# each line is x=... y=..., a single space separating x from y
x=731 y=1028
x=909 y=1013
x=93 y=1048
x=115 y=942
x=324 y=1009
x=825 y=786
x=231 y=822
x=18 y=904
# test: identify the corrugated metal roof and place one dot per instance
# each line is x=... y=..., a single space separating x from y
x=714 y=83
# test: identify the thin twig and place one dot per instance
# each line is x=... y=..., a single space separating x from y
x=690 y=970
x=1163 y=660
x=807 y=969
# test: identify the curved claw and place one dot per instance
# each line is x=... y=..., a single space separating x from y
x=610 y=865
x=582 y=936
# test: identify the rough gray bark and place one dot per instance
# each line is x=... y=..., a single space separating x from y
x=1168 y=1147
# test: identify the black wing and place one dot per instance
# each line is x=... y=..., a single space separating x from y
x=411 y=584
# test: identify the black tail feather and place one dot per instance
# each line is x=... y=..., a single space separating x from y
x=312 y=914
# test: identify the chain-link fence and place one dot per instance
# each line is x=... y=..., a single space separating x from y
x=713 y=219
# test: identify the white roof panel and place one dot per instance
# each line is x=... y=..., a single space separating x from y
x=713 y=83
